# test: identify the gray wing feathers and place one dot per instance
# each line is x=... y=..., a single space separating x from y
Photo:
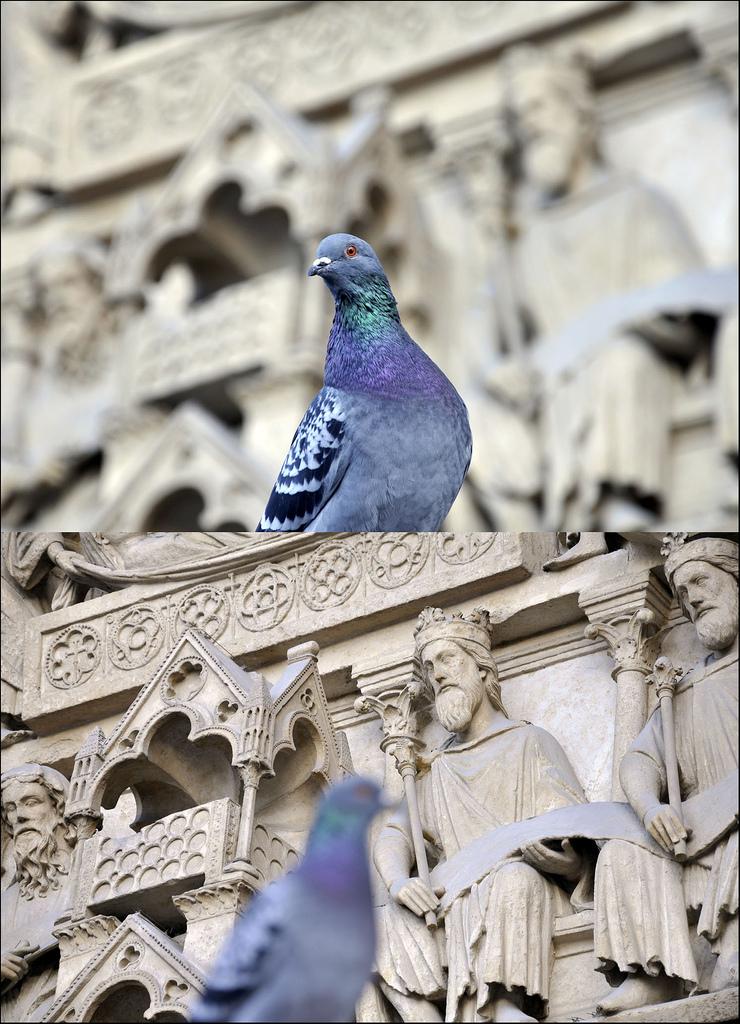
x=315 y=463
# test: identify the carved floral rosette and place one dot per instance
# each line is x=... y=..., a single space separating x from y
x=206 y=608
x=331 y=575
x=265 y=597
x=395 y=558
x=136 y=638
x=73 y=657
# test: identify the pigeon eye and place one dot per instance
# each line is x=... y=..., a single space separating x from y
x=351 y=251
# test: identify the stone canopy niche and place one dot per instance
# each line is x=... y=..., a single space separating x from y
x=138 y=974
x=193 y=749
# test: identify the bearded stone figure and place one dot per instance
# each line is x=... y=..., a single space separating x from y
x=595 y=253
x=648 y=906
x=494 y=961
x=33 y=799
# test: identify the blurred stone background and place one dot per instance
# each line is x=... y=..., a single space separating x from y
x=551 y=187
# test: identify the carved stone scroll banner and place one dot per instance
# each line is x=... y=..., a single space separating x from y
x=595 y=821
x=307 y=587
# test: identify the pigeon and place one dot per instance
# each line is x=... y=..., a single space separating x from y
x=305 y=948
x=386 y=443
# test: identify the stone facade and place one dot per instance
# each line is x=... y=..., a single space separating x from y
x=549 y=185
x=174 y=704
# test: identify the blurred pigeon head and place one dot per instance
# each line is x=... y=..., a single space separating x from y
x=349 y=805
x=345 y=813
x=348 y=265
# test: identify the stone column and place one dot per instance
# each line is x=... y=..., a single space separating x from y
x=255 y=761
x=628 y=614
x=251 y=774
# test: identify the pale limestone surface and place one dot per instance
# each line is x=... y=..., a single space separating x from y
x=209 y=661
x=188 y=158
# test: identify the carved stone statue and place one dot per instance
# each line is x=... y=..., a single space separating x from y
x=61 y=570
x=595 y=252
x=646 y=904
x=68 y=278
x=492 y=771
x=33 y=799
x=65 y=332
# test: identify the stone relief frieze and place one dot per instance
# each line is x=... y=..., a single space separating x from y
x=331 y=72
x=205 y=608
x=111 y=113
x=458 y=549
x=500 y=868
x=264 y=302
x=257 y=603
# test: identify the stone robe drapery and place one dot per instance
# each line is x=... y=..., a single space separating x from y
x=608 y=239
x=641 y=899
x=31 y=921
x=500 y=932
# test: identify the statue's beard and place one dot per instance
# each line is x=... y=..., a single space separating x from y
x=716 y=629
x=549 y=163
x=456 y=706
x=42 y=860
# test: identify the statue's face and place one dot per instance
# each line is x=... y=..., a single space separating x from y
x=29 y=811
x=457 y=682
x=549 y=129
x=710 y=596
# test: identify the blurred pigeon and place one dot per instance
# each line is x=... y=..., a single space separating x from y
x=386 y=443
x=305 y=947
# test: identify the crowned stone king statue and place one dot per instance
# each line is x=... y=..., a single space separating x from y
x=491 y=771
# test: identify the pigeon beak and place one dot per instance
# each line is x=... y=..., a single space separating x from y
x=318 y=265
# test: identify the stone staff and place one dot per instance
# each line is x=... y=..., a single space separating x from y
x=665 y=676
x=398 y=720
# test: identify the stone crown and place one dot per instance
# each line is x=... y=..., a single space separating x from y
x=434 y=624
x=679 y=550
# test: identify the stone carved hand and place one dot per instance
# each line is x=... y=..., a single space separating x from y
x=14 y=964
x=664 y=825
x=66 y=560
x=564 y=862
x=414 y=894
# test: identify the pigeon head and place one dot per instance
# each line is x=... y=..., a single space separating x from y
x=349 y=806
x=349 y=266
x=339 y=831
